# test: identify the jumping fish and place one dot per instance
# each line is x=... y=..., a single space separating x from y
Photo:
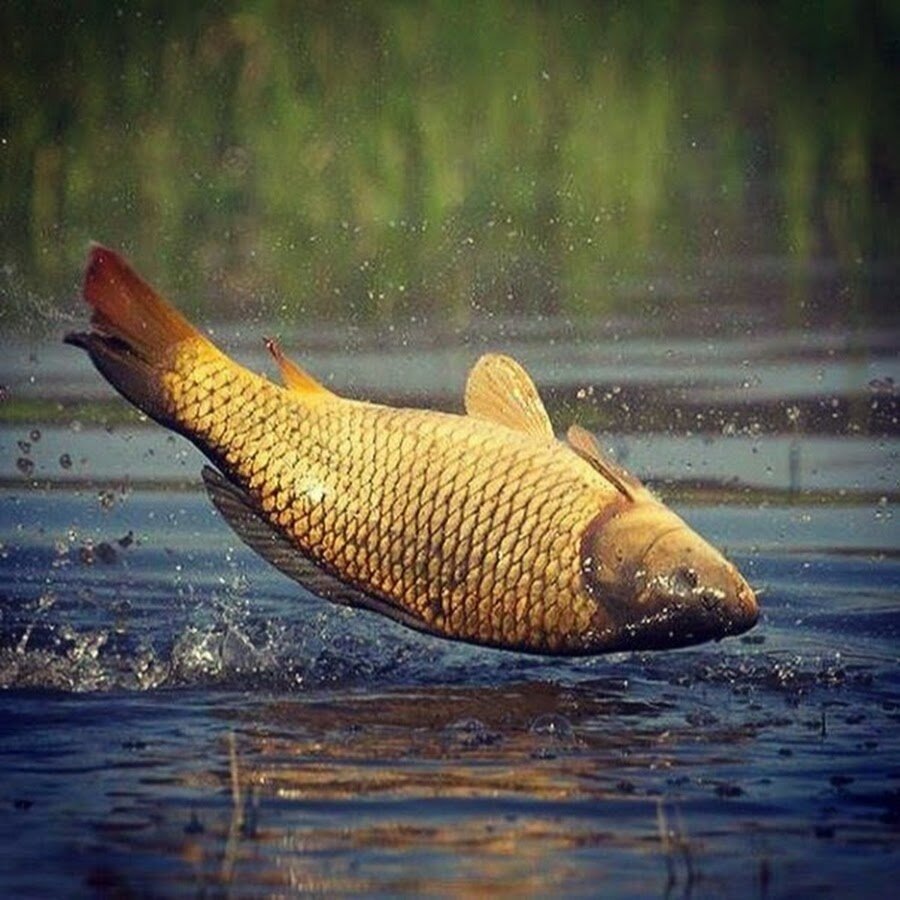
x=480 y=527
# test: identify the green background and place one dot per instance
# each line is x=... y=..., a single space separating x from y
x=375 y=161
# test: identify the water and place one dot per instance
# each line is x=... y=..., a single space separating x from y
x=181 y=720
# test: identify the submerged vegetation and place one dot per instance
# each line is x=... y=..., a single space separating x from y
x=391 y=158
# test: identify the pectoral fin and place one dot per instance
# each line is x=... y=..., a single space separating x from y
x=240 y=512
x=586 y=446
x=500 y=390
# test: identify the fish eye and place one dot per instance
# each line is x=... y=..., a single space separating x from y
x=686 y=578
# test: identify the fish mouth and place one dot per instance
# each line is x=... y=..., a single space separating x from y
x=709 y=617
x=669 y=628
x=746 y=597
x=680 y=617
x=673 y=623
x=677 y=607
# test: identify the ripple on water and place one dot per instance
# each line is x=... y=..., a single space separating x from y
x=199 y=715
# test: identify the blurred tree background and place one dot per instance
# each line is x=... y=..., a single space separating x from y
x=388 y=159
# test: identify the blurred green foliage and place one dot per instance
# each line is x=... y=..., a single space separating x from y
x=378 y=159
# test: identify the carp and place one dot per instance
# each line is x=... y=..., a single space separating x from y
x=480 y=527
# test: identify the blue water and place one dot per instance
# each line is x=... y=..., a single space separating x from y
x=370 y=759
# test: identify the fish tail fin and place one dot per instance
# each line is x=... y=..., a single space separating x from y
x=135 y=334
x=126 y=307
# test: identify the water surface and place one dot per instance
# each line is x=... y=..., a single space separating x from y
x=180 y=719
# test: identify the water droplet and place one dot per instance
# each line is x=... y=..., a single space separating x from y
x=25 y=465
x=65 y=461
x=35 y=435
x=553 y=725
x=106 y=553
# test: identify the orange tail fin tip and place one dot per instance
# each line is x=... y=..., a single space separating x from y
x=126 y=307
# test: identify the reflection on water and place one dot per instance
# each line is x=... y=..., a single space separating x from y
x=645 y=777
x=230 y=733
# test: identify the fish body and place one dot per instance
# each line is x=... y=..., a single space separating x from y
x=480 y=527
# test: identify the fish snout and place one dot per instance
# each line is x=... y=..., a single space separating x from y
x=690 y=593
x=728 y=611
x=745 y=608
x=711 y=601
x=744 y=594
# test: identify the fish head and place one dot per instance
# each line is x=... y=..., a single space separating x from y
x=658 y=584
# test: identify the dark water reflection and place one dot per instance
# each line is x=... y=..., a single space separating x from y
x=642 y=784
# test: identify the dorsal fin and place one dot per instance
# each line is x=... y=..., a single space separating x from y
x=500 y=390
x=586 y=446
x=295 y=379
